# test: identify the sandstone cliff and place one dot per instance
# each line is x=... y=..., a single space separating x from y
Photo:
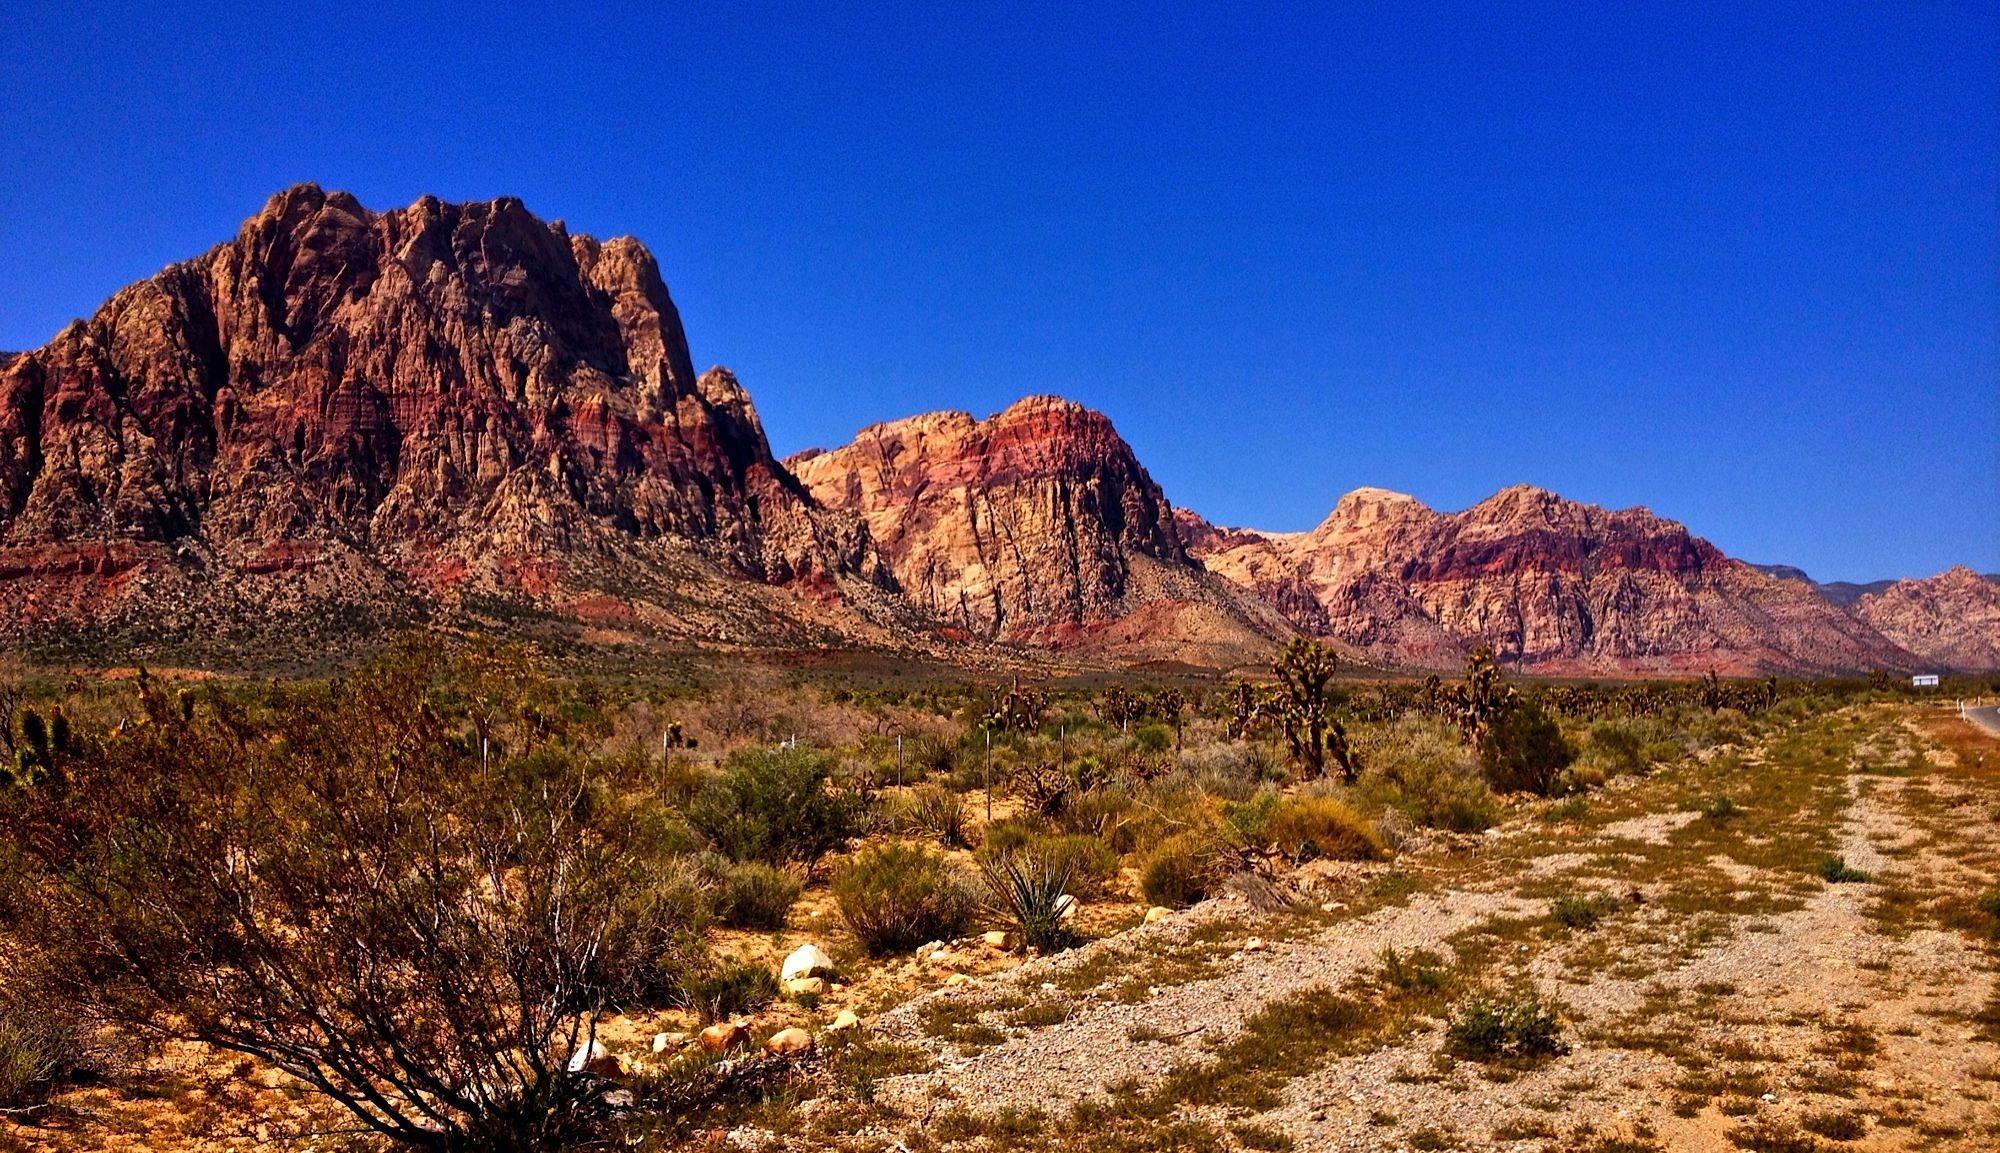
x=1553 y=585
x=1037 y=525
x=1951 y=620
x=381 y=409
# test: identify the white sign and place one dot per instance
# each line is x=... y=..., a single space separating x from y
x=1924 y=681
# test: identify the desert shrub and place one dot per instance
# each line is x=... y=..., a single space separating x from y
x=728 y=989
x=1152 y=739
x=896 y=897
x=1520 y=1028
x=45 y=1046
x=752 y=894
x=657 y=936
x=312 y=881
x=1011 y=833
x=1420 y=973
x=1618 y=748
x=1086 y=860
x=1312 y=826
x=1835 y=870
x=1524 y=751
x=1027 y=887
x=1180 y=870
x=1418 y=769
x=1719 y=809
x=1580 y=910
x=932 y=812
x=1098 y=813
x=1989 y=904
x=773 y=805
x=1233 y=771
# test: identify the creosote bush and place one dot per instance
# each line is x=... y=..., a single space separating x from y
x=1523 y=750
x=897 y=896
x=336 y=880
x=1180 y=871
x=1310 y=827
x=1522 y=1027
x=751 y=894
x=1418 y=769
x=774 y=805
x=728 y=989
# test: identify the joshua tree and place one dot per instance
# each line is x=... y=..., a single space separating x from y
x=1478 y=703
x=1304 y=707
x=1243 y=709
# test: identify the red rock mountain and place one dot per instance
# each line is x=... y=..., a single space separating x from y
x=377 y=409
x=1037 y=525
x=1553 y=585
x=1951 y=620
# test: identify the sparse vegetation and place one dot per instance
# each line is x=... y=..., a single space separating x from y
x=896 y=897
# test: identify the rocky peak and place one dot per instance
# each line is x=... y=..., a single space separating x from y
x=457 y=380
x=1951 y=620
x=1025 y=525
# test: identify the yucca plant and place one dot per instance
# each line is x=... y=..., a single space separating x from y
x=1028 y=889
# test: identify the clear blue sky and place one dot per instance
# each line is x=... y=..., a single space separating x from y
x=1741 y=266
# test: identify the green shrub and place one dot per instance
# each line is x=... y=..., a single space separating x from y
x=1421 y=973
x=1152 y=739
x=1009 y=834
x=1312 y=826
x=1719 y=809
x=1619 y=748
x=896 y=897
x=1088 y=861
x=1989 y=904
x=1519 y=1028
x=1180 y=871
x=1525 y=751
x=660 y=936
x=1098 y=813
x=42 y=1048
x=774 y=805
x=932 y=812
x=754 y=895
x=1419 y=769
x=1027 y=888
x=727 y=990
x=1580 y=911
x=1834 y=870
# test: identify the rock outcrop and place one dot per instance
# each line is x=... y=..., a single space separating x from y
x=1951 y=620
x=1037 y=525
x=380 y=409
x=1553 y=585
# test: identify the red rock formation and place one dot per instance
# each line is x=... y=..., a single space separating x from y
x=1554 y=585
x=1951 y=620
x=1036 y=525
x=442 y=395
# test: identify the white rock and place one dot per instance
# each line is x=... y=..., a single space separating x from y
x=1158 y=913
x=806 y=986
x=1254 y=945
x=807 y=961
x=1065 y=907
x=843 y=1021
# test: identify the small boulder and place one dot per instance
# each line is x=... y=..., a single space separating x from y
x=958 y=979
x=787 y=1042
x=593 y=1058
x=843 y=1021
x=1066 y=907
x=663 y=1042
x=725 y=1035
x=806 y=986
x=807 y=961
x=998 y=939
x=1158 y=913
x=1254 y=945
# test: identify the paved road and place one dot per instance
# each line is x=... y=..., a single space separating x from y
x=1986 y=717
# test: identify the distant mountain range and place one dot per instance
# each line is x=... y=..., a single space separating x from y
x=342 y=421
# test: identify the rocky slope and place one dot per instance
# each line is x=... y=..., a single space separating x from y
x=1951 y=620
x=358 y=414
x=1037 y=525
x=1553 y=585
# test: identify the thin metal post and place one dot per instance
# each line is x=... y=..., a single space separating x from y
x=989 y=776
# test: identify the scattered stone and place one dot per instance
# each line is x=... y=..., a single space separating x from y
x=958 y=979
x=1158 y=913
x=998 y=939
x=843 y=1021
x=806 y=986
x=807 y=961
x=724 y=1035
x=787 y=1042
x=1254 y=945
x=1066 y=907
x=665 y=1041
x=593 y=1058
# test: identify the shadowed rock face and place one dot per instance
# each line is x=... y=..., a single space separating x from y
x=1552 y=584
x=1027 y=526
x=451 y=391
x=1951 y=620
